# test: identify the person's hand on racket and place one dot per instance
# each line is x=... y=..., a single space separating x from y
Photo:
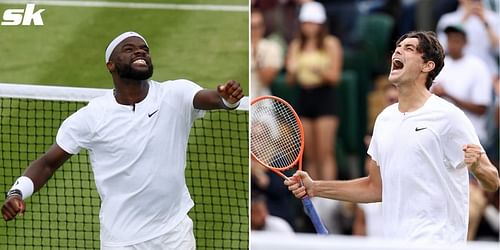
x=300 y=189
x=13 y=206
x=231 y=91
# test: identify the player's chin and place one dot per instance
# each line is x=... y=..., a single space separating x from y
x=393 y=78
x=141 y=73
x=140 y=68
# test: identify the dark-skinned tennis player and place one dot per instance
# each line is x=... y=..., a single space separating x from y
x=137 y=137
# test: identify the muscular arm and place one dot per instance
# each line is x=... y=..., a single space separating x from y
x=44 y=167
x=485 y=172
x=207 y=99
x=479 y=164
x=361 y=190
x=39 y=172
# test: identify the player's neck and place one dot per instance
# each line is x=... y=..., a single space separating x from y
x=130 y=93
x=412 y=97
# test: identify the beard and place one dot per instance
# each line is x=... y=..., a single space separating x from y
x=126 y=71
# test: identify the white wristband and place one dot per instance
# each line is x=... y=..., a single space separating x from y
x=25 y=185
x=230 y=105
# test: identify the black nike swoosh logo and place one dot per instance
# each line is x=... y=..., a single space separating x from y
x=418 y=129
x=149 y=115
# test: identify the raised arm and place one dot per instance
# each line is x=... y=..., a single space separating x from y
x=39 y=172
x=481 y=167
x=361 y=190
x=226 y=96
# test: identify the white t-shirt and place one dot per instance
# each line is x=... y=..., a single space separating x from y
x=138 y=158
x=468 y=79
x=478 y=42
x=374 y=220
x=425 y=183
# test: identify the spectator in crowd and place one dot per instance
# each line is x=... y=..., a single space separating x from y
x=280 y=17
x=465 y=80
x=267 y=57
x=279 y=201
x=314 y=62
x=261 y=220
x=481 y=26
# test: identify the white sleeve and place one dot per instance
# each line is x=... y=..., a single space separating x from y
x=481 y=92
x=373 y=147
x=186 y=90
x=458 y=133
x=74 y=133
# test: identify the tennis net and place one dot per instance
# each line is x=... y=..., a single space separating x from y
x=65 y=213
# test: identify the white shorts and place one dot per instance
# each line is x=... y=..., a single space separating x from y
x=181 y=238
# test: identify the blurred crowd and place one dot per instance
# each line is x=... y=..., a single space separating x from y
x=330 y=60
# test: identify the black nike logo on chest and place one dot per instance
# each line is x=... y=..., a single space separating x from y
x=418 y=129
x=151 y=114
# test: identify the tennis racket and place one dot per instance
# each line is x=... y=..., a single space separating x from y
x=277 y=142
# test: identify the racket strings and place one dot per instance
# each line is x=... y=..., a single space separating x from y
x=275 y=133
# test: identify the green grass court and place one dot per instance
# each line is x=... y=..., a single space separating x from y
x=207 y=47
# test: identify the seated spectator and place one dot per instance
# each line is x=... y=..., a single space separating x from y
x=279 y=200
x=261 y=220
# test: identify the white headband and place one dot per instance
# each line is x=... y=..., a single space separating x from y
x=112 y=45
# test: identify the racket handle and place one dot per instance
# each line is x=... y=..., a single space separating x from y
x=313 y=215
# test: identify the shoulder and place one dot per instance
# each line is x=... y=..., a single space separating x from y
x=268 y=44
x=387 y=115
x=269 y=48
x=447 y=109
x=179 y=90
x=94 y=111
x=332 y=43
x=98 y=105
x=176 y=84
x=388 y=112
x=476 y=62
x=438 y=103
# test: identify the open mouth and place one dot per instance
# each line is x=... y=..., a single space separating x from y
x=140 y=62
x=397 y=64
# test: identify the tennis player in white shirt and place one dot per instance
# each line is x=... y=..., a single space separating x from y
x=421 y=151
x=137 y=140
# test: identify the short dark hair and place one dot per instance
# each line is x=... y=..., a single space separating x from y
x=429 y=46
x=455 y=29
